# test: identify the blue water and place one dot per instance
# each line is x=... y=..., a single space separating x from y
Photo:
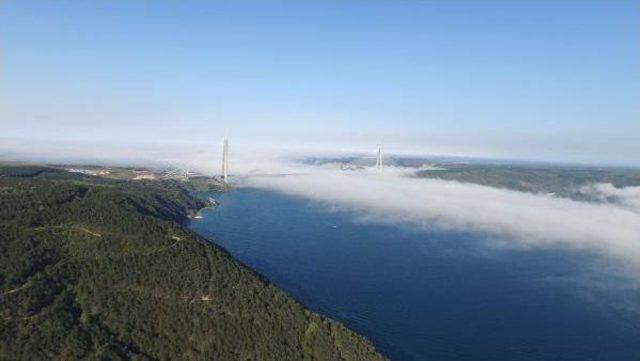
x=425 y=294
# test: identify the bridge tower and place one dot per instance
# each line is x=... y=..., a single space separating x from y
x=225 y=160
x=379 y=160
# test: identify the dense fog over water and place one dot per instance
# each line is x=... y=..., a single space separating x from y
x=611 y=227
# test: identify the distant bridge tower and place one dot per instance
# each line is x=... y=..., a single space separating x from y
x=379 y=160
x=225 y=160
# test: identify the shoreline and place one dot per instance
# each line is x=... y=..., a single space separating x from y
x=129 y=263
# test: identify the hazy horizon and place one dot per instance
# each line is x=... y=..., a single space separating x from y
x=541 y=81
x=205 y=157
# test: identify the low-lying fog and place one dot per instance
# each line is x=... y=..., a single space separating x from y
x=610 y=226
x=527 y=219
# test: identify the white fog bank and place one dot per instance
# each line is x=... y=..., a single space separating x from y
x=517 y=217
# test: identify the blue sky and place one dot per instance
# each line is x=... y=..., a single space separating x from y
x=552 y=80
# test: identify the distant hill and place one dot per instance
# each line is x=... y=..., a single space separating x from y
x=94 y=268
x=562 y=181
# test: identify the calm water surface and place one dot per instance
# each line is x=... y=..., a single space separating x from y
x=423 y=294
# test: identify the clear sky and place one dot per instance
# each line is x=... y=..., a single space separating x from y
x=553 y=80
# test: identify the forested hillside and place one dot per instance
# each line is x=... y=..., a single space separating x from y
x=562 y=181
x=93 y=268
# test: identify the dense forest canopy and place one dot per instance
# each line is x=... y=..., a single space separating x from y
x=96 y=268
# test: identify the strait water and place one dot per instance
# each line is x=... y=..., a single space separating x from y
x=425 y=294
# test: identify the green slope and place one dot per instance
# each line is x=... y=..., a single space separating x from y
x=563 y=181
x=102 y=269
